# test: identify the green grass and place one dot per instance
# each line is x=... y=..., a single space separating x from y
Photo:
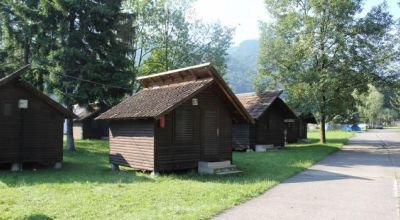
x=86 y=188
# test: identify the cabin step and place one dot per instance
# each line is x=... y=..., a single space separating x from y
x=226 y=169
x=219 y=168
x=229 y=172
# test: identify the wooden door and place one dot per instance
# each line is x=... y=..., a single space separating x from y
x=210 y=143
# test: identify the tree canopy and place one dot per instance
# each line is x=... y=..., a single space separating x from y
x=168 y=37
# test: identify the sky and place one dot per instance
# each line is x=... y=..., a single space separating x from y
x=244 y=15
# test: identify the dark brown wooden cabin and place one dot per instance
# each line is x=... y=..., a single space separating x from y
x=269 y=113
x=301 y=124
x=179 y=118
x=86 y=127
x=31 y=123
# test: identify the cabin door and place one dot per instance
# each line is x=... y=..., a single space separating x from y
x=210 y=143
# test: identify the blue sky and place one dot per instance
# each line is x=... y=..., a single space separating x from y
x=245 y=14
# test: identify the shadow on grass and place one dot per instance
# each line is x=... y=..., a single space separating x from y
x=37 y=217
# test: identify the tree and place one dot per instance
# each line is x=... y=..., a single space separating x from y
x=16 y=32
x=387 y=116
x=27 y=36
x=78 y=49
x=89 y=60
x=395 y=101
x=370 y=104
x=321 y=52
x=169 y=39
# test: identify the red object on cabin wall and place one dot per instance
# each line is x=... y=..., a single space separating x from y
x=162 y=122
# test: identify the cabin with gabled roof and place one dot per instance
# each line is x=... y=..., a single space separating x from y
x=300 y=127
x=180 y=120
x=270 y=114
x=85 y=126
x=31 y=123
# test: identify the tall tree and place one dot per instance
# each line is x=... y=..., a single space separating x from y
x=89 y=61
x=168 y=38
x=395 y=100
x=17 y=32
x=78 y=49
x=320 y=52
x=370 y=104
x=27 y=33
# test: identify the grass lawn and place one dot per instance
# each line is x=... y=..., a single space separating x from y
x=86 y=188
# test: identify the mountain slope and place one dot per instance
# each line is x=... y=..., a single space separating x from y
x=242 y=66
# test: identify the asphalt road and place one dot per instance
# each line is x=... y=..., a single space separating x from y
x=358 y=182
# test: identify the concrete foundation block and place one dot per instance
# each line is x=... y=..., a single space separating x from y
x=15 y=167
x=114 y=167
x=155 y=174
x=57 y=165
x=205 y=167
x=261 y=148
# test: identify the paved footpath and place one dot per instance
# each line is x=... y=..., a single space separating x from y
x=357 y=182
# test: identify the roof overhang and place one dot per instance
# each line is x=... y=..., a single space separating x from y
x=15 y=77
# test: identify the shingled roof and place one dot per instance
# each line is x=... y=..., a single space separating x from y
x=163 y=92
x=16 y=77
x=152 y=103
x=308 y=117
x=83 y=112
x=257 y=104
x=13 y=76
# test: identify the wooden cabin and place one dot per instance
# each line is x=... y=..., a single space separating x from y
x=31 y=123
x=86 y=127
x=270 y=114
x=180 y=119
x=302 y=122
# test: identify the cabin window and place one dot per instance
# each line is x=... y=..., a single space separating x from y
x=183 y=126
x=7 y=109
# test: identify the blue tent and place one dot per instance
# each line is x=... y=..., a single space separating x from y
x=350 y=128
x=356 y=128
x=346 y=128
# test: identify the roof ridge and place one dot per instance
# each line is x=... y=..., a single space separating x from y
x=15 y=75
x=173 y=71
x=180 y=83
x=245 y=93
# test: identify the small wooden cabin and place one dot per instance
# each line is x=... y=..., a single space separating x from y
x=179 y=118
x=31 y=123
x=302 y=122
x=298 y=129
x=86 y=127
x=270 y=114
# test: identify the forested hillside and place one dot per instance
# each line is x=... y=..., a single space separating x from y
x=242 y=61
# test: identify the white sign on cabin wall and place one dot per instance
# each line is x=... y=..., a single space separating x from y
x=23 y=104
x=195 y=102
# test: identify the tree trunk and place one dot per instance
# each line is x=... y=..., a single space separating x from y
x=322 y=124
x=70 y=133
x=26 y=50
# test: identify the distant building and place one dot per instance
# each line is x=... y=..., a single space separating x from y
x=86 y=127
x=301 y=125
